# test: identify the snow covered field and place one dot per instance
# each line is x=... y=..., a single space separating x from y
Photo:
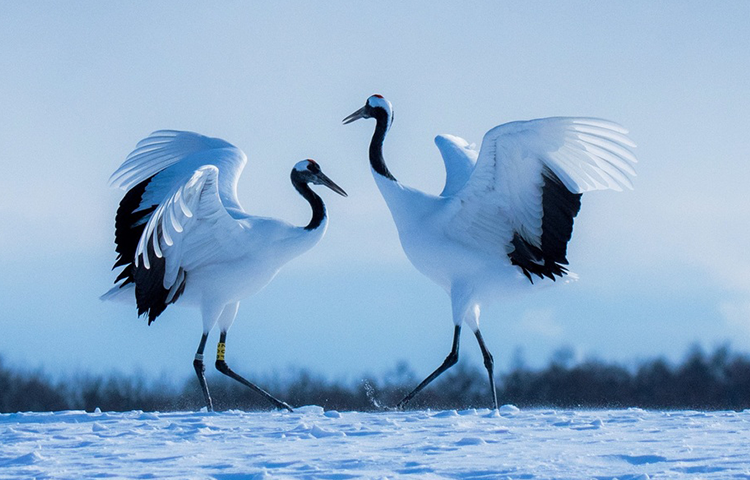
x=311 y=443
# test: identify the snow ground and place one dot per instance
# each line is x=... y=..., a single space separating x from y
x=311 y=443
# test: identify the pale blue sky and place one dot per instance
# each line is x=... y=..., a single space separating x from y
x=661 y=267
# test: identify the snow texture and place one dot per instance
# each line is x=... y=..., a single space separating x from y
x=310 y=443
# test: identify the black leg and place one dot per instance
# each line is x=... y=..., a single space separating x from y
x=489 y=364
x=449 y=361
x=200 y=370
x=222 y=366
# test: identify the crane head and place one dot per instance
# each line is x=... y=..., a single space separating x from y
x=309 y=171
x=376 y=106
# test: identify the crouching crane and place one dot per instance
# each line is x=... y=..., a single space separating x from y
x=182 y=236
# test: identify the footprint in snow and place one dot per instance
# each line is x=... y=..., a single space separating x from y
x=640 y=459
x=471 y=441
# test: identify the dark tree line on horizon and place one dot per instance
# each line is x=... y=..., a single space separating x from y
x=716 y=381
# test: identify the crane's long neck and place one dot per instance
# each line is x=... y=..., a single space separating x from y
x=316 y=203
x=376 y=145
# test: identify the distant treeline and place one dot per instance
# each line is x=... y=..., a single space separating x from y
x=716 y=381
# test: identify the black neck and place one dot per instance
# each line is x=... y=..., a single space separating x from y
x=316 y=203
x=376 y=144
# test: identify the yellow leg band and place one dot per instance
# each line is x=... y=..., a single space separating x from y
x=221 y=349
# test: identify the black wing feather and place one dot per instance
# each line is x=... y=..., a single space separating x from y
x=130 y=222
x=559 y=207
x=150 y=294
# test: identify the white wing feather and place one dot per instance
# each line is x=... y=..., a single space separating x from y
x=190 y=228
x=171 y=157
x=459 y=158
x=503 y=194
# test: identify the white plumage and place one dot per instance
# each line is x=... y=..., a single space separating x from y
x=182 y=235
x=505 y=216
x=459 y=158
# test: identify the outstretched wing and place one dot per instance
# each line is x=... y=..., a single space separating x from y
x=526 y=187
x=164 y=150
x=151 y=173
x=459 y=158
x=191 y=227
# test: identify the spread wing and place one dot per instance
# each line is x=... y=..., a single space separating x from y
x=159 y=165
x=179 y=154
x=525 y=190
x=188 y=229
x=459 y=158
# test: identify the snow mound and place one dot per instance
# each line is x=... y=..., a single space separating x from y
x=310 y=409
x=509 y=410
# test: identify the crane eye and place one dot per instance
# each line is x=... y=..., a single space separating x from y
x=312 y=166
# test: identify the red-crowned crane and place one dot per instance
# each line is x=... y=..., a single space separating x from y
x=183 y=237
x=503 y=221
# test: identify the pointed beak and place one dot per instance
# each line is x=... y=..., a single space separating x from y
x=322 y=179
x=355 y=116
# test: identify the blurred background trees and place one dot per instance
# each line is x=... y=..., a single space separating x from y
x=716 y=381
